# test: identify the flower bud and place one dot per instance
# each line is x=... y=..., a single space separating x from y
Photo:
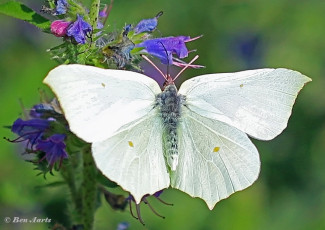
x=59 y=28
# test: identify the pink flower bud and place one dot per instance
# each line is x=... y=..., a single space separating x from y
x=59 y=28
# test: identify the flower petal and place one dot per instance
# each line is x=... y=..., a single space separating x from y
x=79 y=29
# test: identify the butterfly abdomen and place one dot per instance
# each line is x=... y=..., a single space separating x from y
x=170 y=110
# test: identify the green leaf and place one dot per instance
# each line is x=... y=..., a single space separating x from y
x=53 y=184
x=105 y=181
x=20 y=11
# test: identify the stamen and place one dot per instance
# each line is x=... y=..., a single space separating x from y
x=159 y=14
x=108 y=11
x=35 y=139
x=25 y=114
x=137 y=206
x=196 y=57
x=39 y=161
x=130 y=205
x=60 y=164
x=192 y=39
x=164 y=201
x=15 y=140
x=181 y=65
x=152 y=209
x=148 y=60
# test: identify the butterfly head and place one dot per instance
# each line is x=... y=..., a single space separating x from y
x=168 y=81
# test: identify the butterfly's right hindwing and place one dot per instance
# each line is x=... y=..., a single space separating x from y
x=215 y=159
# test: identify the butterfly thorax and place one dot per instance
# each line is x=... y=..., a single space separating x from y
x=169 y=103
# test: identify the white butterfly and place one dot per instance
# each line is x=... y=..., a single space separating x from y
x=194 y=140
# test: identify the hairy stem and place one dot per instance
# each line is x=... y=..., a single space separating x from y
x=71 y=173
x=93 y=16
x=89 y=188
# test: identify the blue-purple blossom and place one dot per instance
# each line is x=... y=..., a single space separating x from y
x=103 y=13
x=164 y=48
x=79 y=30
x=31 y=130
x=54 y=148
x=100 y=25
x=127 y=29
x=61 y=7
x=43 y=111
x=123 y=226
x=147 y=25
x=247 y=47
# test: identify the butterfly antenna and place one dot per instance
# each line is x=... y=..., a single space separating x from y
x=148 y=60
x=185 y=67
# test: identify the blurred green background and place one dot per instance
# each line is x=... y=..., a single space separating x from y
x=238 y=35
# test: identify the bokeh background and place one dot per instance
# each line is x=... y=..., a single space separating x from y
x=238 y=35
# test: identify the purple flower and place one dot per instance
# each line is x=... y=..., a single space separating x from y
x=42 y=110
x=61 y=7
x=79 y=30
x=103 y=13
x=54 y=148
x=100 y=25
x=59 y=28
x=31 y=130
x=172 y=45
x=123 y=226
x=147 y=25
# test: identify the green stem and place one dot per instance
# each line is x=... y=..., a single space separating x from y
x=89 y=188
x=71 y=174
x=93 y=16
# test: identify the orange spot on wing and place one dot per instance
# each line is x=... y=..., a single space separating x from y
x=216 y=149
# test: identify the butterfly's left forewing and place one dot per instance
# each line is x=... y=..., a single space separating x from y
x=258 y=102
x=215 y=159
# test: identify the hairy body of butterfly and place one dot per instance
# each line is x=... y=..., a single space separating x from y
x=170 y=111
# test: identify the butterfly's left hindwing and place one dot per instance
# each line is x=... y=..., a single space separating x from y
x=134 y=157
x=215 y=159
